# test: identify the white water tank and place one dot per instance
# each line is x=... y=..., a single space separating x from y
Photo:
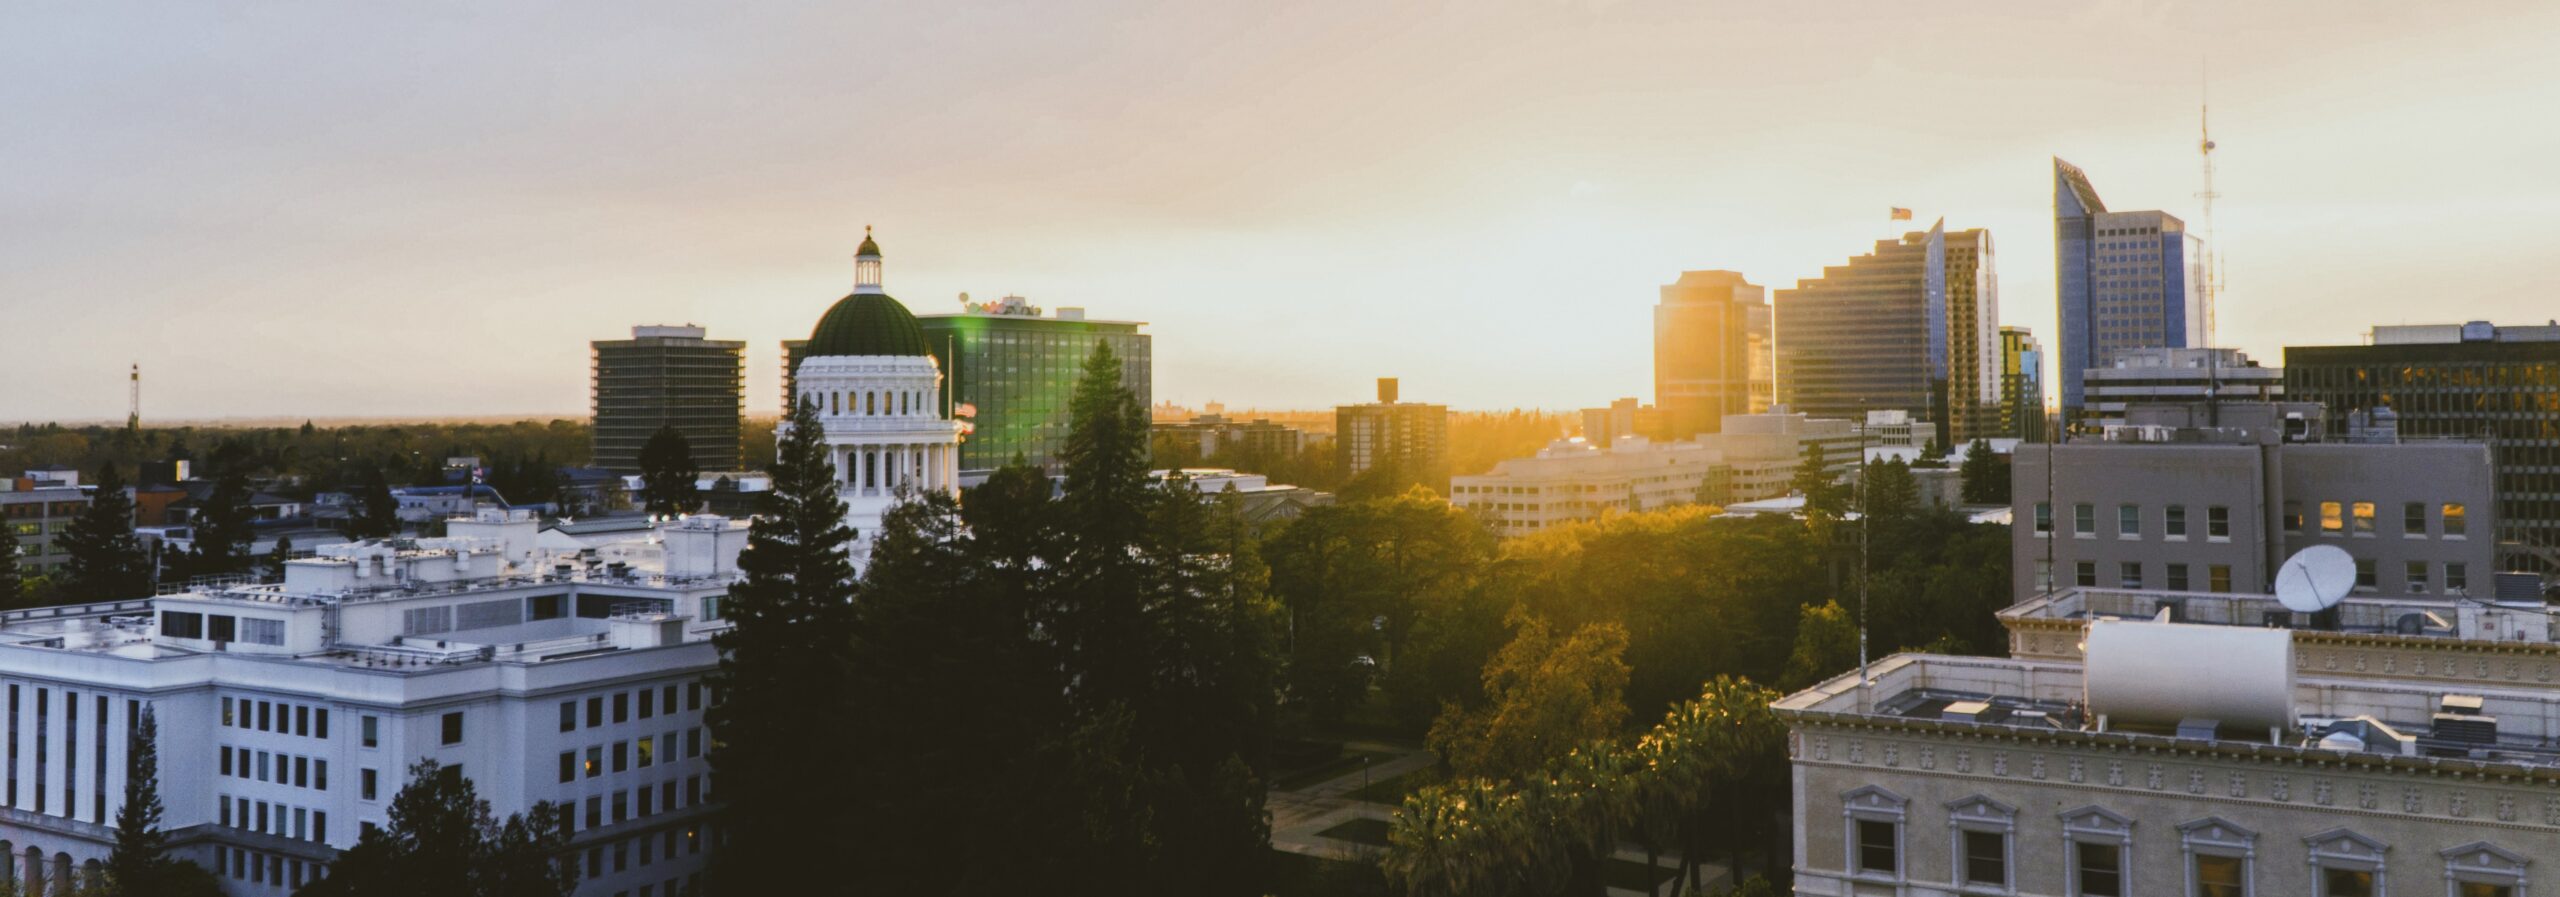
x=2158 y=674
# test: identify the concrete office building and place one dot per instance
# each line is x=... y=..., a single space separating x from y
x=2021 y=385
x=2174 y=501
x=1764 y=451
x=40 y=507
x=289 y=712
x=2122 y=280
x=1712 y=352
x=2465 y=381
x=2152 y=376
x=1912 y=326
x=878 y=393
x=668 y=376
x=1410 y=437
x=1572 y=480
x=1211 y=435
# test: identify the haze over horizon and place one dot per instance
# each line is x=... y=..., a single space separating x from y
x=334 y=210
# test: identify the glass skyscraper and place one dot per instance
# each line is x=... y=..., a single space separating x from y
x=1912 y=326
x=1710 y=352
x=2122 y=280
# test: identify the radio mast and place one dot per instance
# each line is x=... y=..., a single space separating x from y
x=133 y=403
x=2212 y=249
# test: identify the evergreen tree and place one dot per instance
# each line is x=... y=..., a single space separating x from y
x=777 y=753
x=1892 y=494
x=274 y=568
x=1985 y=475
x=668 y=473
x=140 y=865
x=222 y=527
x=441 y=840
x=107 y=562
x=374 y=514
x=12 y=578
x=1823 y=494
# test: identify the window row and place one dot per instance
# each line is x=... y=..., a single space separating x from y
x=650 y=701
x=2452 y=519
x=636 y=803
x=624 y=755
x=282 y=769
x=265 y=868
x=276 y=716
x=650 y=848
x=298 y=823
x=221 y=627
x=2219 y=858
x=2173 y=521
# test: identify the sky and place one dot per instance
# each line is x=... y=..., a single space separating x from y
x=332 y=209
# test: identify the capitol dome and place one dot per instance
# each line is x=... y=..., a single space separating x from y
x=868 y=321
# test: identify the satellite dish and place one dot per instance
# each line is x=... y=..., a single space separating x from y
x=2315 y=579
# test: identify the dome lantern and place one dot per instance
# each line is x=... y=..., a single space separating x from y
x=866 y=266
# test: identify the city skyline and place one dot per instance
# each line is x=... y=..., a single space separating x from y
x=260 y=209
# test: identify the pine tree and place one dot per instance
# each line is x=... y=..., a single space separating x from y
x=276 y=559
x=140 y=860
x=1985 y=475
x=374 y=513
x=668 y=473
x=776 y=750
x=441 y=841
x=222 y=527
x=107 y=562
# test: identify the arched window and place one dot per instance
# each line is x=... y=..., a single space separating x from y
x=870 y=403
x=835 y=403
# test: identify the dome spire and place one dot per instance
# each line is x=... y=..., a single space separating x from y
x=866 y=266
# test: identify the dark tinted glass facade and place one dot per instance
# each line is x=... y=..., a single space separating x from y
x=1020 y=372
x=1880 y=333
x=695 y=385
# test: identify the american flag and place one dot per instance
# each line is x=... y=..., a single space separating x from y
x=1901 y=214
x=965 y=409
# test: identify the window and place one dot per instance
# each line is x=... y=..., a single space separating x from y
x=2293 y=517
x=1874 y=817
x=2128 y=521
x=2129 y=574
x=595 y=762
x=2218 y=876
x=2044 y=518
x=262 y=632
x=2177 y=578
x=2345 y=864
x=2218 y=578
x=320 y=723
x=621 y=756
x=2417 y=577
x=453 y=727
x=710 y=608
x=2044 y=575
x=1982 y=830
x=568 y=716
x=2085 y=573
x=2096 y=841
x=647 y=754
x=2363 y=518
x=2481 y=869
x=2413 y=520
x=2457 y=579
x=568 y=766
x=372 y=727
x=2364 y=575
x=2084 y=520
x=184 y=624
x=648 y=703
x=2333 y=518
x=2219 y=857
x=2454 y=524
x=2217 y=523
x=366 y=779
x=2174 y=522
x=621 y=707
x=595 y=711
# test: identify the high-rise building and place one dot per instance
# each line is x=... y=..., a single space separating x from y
x=1017 y=369
x=2122 y=280
x=2138 y=376
x=1410 y=438
x=1711 y=352
x=669 y=376
x=2021 y=385
x=878 y=393
x=1912 y=326
x=2475 y=381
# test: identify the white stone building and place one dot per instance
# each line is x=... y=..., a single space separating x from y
x=289 y=713
x=879 y=395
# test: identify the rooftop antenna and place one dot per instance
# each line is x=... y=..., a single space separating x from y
x=2315 y=579
x=2212 y=249
x=133 y=403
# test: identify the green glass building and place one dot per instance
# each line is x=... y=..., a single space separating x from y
x=1018 y=368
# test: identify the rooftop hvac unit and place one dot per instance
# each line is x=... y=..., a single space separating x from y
x=2465 y=705
x=2467 y=729
x=2518 y=587
x=1971 y=712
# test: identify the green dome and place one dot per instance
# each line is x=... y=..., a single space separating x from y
x=866 y=324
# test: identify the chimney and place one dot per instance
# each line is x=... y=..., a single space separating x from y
x=1386 y=390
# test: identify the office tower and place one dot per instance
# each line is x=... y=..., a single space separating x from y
x=668 y=376
x=1624 y=417
x=2474 y=381
x=2138 y=376
x=2122 y=280
x=1017 y=369
x=878 y=394
x=1409 y=438
x=2021 y=385
x=1233 y=441
x=2191 y=498
x=1912 y=326
x=1711 y=352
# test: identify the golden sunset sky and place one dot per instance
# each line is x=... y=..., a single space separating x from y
x=323 y=209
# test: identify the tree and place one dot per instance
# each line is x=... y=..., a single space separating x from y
x=222 y=526
x=1826 y=643
x=1985 y=475
x=375 y=514
x=1823 y=494
x=790 y=634
x=140 y=865
x=668 y=473
x=1891 y=494
x=274 y=567
x=1544 y=696
x=107 y=562
x=1356 y=578
x=13 y=587
x=441 y=839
